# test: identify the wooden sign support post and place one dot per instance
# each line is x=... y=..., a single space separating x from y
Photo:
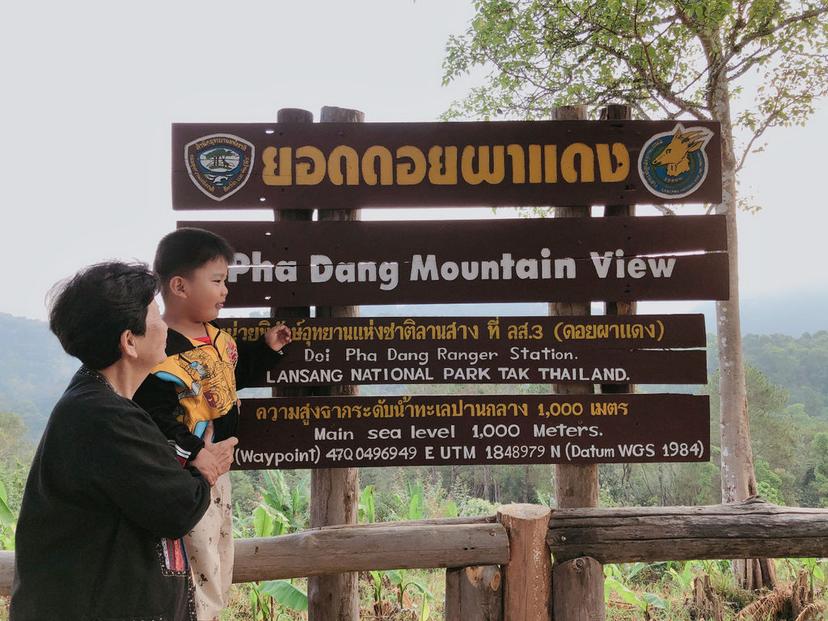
x=577 y=585
x=291 y=115
x=335 y=491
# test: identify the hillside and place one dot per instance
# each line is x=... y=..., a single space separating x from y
x=34 y=370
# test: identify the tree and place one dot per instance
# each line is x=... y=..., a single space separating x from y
x=687 y=59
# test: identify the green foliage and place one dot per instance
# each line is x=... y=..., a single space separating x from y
x=283 y=509
x=798 y=364
x=7 y=521
x=286 y=594
x=367 y=506
x=389 y=589
x=616 y=582
x=664 y=57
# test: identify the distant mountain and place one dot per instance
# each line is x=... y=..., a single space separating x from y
x=34 y=370
x=794 y=314
x=783 y=340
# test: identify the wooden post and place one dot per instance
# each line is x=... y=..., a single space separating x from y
x=335 y=491
x=474 y=593
x=578 y=591
x=291 y=115
x=527 y=578
x=576 y=486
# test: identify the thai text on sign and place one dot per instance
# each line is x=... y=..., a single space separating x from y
x=658 y=349
x=324 y=432
x=304 y=166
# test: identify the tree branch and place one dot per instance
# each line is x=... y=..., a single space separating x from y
x=764 y=32
x=756 y=135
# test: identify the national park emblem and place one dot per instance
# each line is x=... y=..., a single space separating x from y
x=219 y=164
x=674 y=164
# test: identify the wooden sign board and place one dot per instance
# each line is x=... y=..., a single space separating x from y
x=638 y=349
x=351 y=165
x=538 y=260
x=337 y=432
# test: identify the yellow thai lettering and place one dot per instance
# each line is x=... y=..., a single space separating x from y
x=281 y=161
x=515 y=153
x=442 y=165
x=412 y=170
x=370 y=158
x=535 y=163
x=310 y=166
x=550 y=163
x=490 y=164
x=343 y=158
x=621 y=170
x=586 y=161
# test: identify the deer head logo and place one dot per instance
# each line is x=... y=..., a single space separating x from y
x=684 y=142
x=674 y=164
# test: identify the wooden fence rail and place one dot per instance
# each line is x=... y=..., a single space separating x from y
x=749 y=529
x=752 y=528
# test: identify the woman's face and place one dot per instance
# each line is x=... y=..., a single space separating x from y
x=152 y=345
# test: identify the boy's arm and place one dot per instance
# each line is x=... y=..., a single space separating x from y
x=160 y=400
x=254 y=360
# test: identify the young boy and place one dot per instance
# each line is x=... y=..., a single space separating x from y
x=192 y=394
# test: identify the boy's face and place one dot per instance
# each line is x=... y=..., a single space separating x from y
x=206 y=290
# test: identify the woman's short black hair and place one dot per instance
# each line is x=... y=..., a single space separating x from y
x=183 y=251
x=89 y=311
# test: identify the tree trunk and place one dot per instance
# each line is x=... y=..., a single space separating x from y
x=737 y=473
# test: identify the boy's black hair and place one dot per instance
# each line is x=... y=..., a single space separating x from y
x=183 y=251
x=89 y=311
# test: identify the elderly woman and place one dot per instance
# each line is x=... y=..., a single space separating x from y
x=106 y=501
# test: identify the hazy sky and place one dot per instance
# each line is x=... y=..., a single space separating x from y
x=91 y=88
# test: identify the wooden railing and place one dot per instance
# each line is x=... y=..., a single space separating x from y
x=749 y=529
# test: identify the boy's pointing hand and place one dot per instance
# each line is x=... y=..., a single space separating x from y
x=277 y=337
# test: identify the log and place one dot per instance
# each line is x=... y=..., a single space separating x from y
x=334 y=492
x=748 y=529
x=398 y=545
x=578 y=591
x=649 y=534
x=6 y=572
x=527 y=578
x=474 y=594
x=328 y=551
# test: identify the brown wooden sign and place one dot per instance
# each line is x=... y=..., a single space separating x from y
x=637 y=349
x=331 y=432
x=568 y=259
x=305 y=165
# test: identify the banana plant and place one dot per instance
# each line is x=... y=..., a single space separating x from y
x=7 y=520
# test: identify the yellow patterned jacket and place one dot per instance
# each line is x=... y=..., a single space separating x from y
x=197 y=383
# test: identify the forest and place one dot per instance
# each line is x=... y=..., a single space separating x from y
x=787 y=381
